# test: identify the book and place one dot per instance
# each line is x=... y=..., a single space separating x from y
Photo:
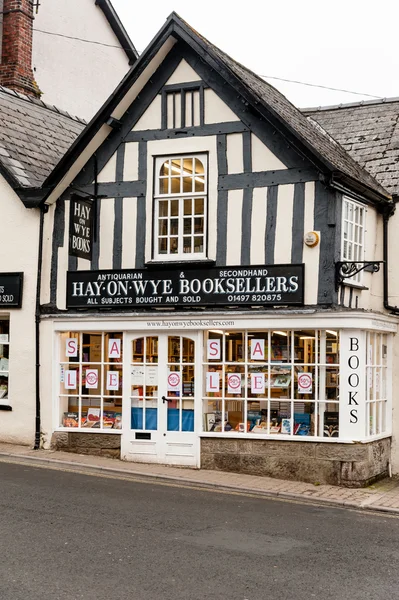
x=331 y=424
x=213 y=420
x=286 y=426
x=275 y=429
x=261 y=428
x=70 y=419
x=282 y=381
x=91 y=418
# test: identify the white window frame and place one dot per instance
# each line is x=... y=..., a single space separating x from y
x=5 y=372
x=352 y=249
x=158 y=196
x=102 y=396
x=319 y=367
x=377 y=385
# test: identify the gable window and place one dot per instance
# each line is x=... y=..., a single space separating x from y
x=180 y=209
x=353 y=227
x=182 y=106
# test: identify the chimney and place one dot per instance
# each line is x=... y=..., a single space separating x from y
x=16 y=51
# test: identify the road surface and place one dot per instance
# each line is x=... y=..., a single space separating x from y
x=67 y=536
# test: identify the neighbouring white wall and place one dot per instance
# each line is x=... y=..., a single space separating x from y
x=73 y=75
x=18 y=252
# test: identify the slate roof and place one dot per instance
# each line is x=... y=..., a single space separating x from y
x=369 y=131
x=33 y=138
x=325 y=144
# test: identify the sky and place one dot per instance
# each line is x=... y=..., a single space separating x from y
x=347 y=44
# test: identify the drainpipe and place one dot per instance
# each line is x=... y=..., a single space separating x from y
x=388 y=212
x=43 y=210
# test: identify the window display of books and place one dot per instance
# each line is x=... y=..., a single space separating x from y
x=92 y=419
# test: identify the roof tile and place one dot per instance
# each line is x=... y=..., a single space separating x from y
x=33 y=137
x=370 y=133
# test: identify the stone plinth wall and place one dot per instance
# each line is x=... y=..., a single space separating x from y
x=88 y=443
x=349 y=465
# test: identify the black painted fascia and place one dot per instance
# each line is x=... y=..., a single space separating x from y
x=32 y=197
x=118 y=29
x=9 y=177
x=375 y=199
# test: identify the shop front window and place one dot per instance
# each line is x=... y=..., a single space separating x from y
x=4 y=358
x=90 y=375
x=376 y=387
x=353 y=227
x=279 y=382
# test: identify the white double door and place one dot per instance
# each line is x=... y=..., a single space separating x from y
x=161 y=400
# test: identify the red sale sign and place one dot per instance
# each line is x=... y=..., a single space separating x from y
x=304 y=383
x=234 y=383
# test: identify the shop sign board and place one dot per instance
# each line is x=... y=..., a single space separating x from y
x=11 y=290
x=352 y=414
x=274 y=285
x=81 y=227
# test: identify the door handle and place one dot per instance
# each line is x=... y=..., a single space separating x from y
x=165 y=399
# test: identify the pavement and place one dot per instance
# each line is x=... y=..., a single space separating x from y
x=382 y=496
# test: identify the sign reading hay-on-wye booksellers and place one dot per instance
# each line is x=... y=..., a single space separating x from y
x=81 y=227
x=263 y=285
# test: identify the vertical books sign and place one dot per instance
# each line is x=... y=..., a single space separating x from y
x=81 y=227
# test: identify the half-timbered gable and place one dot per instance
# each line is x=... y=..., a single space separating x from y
x=198 y=224
x=261 y=181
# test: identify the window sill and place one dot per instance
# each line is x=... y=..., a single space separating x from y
x=287 y=438
x=352 y=284
x=191 y=262
x=88 y=430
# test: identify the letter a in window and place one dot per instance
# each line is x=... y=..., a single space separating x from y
x=257 y=349
x=114 y=348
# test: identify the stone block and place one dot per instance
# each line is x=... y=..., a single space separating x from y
x=207 y=446
x=207 y=461
x=59 y=441
x=227 y=462
x=215 y=445
x=96 y=441
x=256 y=464
x=283 y=448
x=341 y=452
x=110 y=452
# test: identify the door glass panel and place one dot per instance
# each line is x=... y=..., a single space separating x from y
x=180 y=385
x=144 y=383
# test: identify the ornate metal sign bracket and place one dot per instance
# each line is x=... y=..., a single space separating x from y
x=346 y=268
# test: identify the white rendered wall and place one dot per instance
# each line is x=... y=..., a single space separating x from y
x=18 y=252
x=73 y=75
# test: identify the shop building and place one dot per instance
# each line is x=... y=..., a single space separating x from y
x=199 y=304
